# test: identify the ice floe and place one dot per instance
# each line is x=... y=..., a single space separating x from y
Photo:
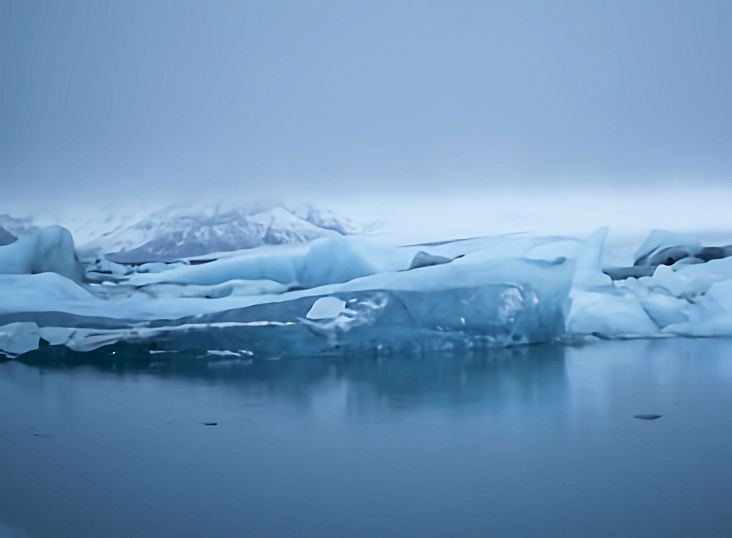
x=356 y=294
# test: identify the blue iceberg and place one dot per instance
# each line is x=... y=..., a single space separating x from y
x=347 y=294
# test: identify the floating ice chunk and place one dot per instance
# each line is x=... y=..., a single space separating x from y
x=467 y=304
x=589 y=271
x=663 y=246
x=223 y=353
x=347 y=293
x=42 y=293
x=226 y=289
x=609 y=315
x=279 y=265
x=324 y=261
x=45 y=250
x=689 y=280
x=19 y=337
x=334 y=260
x=667 y=249
x=721 y=294
x=711 y=314
x=57 y=335
x=662 y=307
x=588 y=262
x=587 y=256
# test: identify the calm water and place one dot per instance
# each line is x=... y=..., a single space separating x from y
x=538 y=441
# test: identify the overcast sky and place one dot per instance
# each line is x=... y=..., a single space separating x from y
x=329 y=99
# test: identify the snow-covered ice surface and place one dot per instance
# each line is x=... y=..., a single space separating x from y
x=342 y=293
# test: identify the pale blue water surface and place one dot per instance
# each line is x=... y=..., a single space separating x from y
x=533 y=441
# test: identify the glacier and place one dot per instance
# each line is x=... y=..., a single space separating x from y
x=356 y=294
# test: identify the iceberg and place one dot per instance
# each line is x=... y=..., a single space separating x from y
x=284 y=299
x=45 y=250
x=18 y=338
x=663 y=247
x=669 y=249
x=350 y=294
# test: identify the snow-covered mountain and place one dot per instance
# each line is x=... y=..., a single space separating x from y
x=183 y=232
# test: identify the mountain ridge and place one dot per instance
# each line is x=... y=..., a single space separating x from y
x=176 y=233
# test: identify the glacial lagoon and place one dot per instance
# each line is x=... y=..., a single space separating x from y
x=526 y=441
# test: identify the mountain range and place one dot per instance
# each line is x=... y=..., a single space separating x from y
x=177 y=233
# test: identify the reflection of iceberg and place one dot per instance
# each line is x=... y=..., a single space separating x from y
x=525 y=376
x=352 y=295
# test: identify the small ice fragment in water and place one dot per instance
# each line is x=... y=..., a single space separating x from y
x=222 y=353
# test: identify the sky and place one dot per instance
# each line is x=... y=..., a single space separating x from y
x=362 y=104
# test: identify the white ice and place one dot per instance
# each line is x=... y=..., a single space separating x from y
x=357 y=292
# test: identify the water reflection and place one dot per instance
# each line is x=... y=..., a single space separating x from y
x=531 y=441
x=533 y=375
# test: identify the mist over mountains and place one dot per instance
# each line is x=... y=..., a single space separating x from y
x=181 y=232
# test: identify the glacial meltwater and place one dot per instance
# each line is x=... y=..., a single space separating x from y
x=528 y=441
